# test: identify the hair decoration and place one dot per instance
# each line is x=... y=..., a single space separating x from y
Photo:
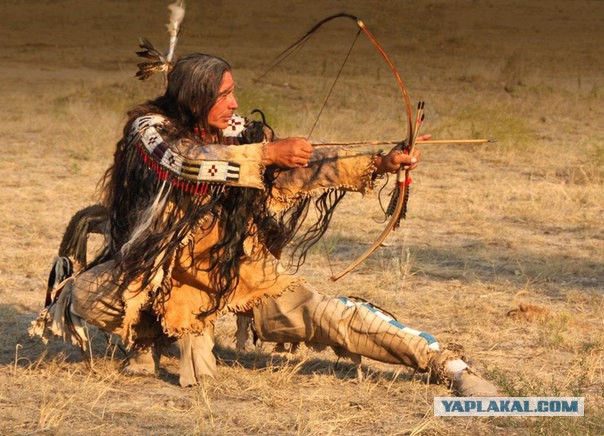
x=158 y=61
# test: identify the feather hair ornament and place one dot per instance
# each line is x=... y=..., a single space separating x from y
x=158 y=61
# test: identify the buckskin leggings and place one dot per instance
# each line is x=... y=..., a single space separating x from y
x=304 y=315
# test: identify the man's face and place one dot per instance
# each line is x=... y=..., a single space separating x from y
x=225 y=104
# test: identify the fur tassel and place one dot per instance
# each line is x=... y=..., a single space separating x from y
x=177 y=14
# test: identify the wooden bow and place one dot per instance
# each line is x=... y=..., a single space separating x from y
x=397 y=208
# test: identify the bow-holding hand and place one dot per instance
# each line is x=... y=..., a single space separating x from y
x=288 y=153
x=392 y=162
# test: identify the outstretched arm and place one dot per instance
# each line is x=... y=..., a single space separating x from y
x=337 y=167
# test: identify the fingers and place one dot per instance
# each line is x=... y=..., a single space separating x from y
x=300 y=161
x=396 y=160
x=305 y=150
x=406 y=161
x=291 y=152
x=306 y=146
x=302 y=151
x=415 y=158
x=399 y=159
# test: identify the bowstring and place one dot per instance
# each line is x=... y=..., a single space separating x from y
x=295 y=47
x=333 y=85
x=289 y=51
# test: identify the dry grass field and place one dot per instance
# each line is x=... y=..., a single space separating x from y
x=502 y=251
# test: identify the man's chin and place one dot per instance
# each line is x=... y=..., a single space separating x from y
x=220 y=126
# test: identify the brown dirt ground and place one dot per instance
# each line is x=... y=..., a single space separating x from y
x=502 y=250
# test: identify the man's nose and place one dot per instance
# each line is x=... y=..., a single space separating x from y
x=233 y=103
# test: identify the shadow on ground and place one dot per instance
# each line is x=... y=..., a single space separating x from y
x=18 y=348
x=489 y=263
x=341 y=369
x=17 y=345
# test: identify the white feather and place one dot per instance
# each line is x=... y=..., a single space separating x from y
x=177 y=14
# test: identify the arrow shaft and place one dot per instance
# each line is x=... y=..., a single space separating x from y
x=429 y=141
